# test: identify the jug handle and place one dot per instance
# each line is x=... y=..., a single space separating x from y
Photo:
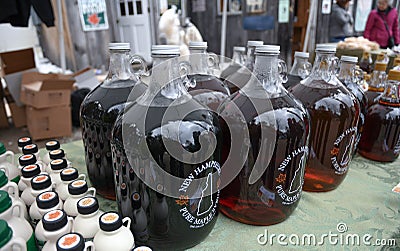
x=19 y=242
x=15 y=191
x=89 y=244
x=12 y=155
x=126 y=220
x=42 y=165
x=19 y=204
x=143 y=70
x=93 y=190
x=81 y=176
x=5 y=170
x=71 y=224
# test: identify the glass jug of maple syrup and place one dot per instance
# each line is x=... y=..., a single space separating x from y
x=334 y=114
x=381 y=138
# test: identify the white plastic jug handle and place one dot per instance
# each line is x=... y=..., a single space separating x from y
x=42 y=165
x=12 y=155
x=71 y=223
x=128 y=220
x=19 y=242
x=14 y=190
x=18 y=204
x=92 y=190
x=5 y=170
x=90 y=245
x=81 y=176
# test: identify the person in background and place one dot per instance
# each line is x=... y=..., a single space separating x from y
x=383 y=25
x=340 y=21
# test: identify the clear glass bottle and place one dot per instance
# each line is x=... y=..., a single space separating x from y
x=204 y=86
x=142 y=154
x=269 y=185
x=396 y=64
x=381 y=139
x=348 y=76
x=238 y=61
x=382 y=58
x=334 y=114
x=239 y=79
x=99 y=111
x=366 y=63
x=377 y=83
x=300 y=70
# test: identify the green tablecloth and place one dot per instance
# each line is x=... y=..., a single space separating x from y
x=363 y=205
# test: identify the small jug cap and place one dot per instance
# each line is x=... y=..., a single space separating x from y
x=380 y=66
x=135 y=200
x=119 y=46
x=57 y=154
x=3 y=178
x=165 y=50
x=5 y=201
x=349 y=59
x=197 y=45
x=47 y=200
x=325 y=48
x=30 y=171
x=110 y=221
x=54 y=220
x=87 y=205
x=23 y=141
x=254 y=43
x=239 y=48
x=58 y=164
x=394 y=75
x=30 y=149
x=268 y=49
x=366 y=54
x=77 y=187
x=40 y=182
x=69 y=174
x=52 y=145
x=71 y=242
x=2 y=148
x=27 y=159
x=301 y=54
x=6 y=233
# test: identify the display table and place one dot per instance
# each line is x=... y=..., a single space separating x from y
x=363 y=207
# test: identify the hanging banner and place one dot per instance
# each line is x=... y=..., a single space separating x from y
x=283 y=11
x=93 y=14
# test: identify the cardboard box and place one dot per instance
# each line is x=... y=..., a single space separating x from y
x=46 y=90
x=18 y=115
x=3 y=115
x=86 y=78
x=49 y=123
x=16 y=61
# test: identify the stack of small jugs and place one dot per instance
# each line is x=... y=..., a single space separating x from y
x=45 y=204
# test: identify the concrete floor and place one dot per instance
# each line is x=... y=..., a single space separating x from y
x=9 y=137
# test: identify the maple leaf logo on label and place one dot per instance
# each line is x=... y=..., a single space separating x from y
x=335 y=151
x=281 y=178
x=110 y=217
x=78 y=183
x=86 y=202
x=54 y=215
x=68 y=171
x=70 y=240
x=40 y=178
x=30 y=167
x=183 y=200
x=47 y=196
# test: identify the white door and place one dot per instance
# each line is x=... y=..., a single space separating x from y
x=134 y=26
